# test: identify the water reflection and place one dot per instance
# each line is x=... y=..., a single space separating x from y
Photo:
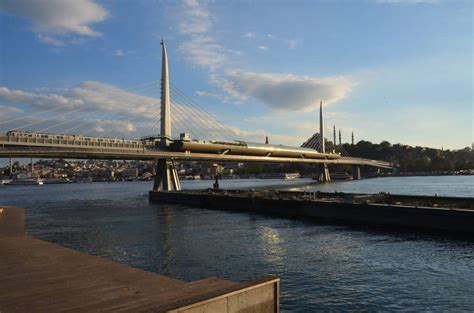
x=272 y=245
x=165 y=241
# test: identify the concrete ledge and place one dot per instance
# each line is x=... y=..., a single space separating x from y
x=255 y=296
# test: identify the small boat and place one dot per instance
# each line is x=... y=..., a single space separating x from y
x=337 y=176
x=26 y=181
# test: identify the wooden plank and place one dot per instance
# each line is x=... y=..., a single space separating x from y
x=37 y=276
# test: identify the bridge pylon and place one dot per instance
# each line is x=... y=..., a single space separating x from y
x=166 y=178
x=324 y=170
x=324 y=175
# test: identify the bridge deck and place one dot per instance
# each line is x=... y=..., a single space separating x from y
x=42 y=150
x=38 y=276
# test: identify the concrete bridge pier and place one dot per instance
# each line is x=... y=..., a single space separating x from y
x=166 y=178
x=356 y=172
x=324 y=173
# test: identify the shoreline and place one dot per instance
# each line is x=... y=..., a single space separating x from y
x=46 y=182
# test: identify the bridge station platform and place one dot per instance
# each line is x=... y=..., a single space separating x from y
x=37 y=276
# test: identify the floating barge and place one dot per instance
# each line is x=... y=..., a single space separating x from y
x=38 y=276
x=452 y=215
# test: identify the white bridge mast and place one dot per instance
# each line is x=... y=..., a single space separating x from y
x=166 y=178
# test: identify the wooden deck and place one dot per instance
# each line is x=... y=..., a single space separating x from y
x=37 y=276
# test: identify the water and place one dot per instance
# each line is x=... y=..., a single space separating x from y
x=322 y=267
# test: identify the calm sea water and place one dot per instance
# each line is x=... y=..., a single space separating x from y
x=322 y=267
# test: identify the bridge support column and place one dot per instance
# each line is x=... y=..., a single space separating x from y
x=356 y=172
x=166 y=178
x=324 y=173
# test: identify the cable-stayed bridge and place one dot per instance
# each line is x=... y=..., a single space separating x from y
x=74 y=129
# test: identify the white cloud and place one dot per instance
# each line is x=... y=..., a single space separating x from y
x=197 y=18
x=292 y=43
x=203 y=51
x=199 y=48
x=119 y=53
x=6 y=110
x=285 y=91
x=38 y=101
x=221 y=97
x=95 y=104
x=50 y=40
x=59 y=17
x=278 y=91
x=114 y=100
x=113 y=126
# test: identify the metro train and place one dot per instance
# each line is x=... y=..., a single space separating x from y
x=248 y=148
x=18 y=135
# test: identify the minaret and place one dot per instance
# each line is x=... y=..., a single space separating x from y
x=165 y=99
x=340 y=141
x=334 y=133
x=352 y=138
x=321 y=127
x=266 y=140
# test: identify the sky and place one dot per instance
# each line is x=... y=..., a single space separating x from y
x=395 y=70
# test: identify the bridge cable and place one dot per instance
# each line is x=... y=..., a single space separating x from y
x=211 y=123
x=62 y=123
x=80 y=109
x=206 y=115
x=59 y=115
x=89 y=122
x=180 y=108
x=182 y=113
x=193 y=114
x=202 y=111
x=98 y=109
x=115 y=130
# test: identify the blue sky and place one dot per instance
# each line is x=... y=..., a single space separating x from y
x=396 y=70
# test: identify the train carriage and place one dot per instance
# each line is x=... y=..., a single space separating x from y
x=25 y=136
